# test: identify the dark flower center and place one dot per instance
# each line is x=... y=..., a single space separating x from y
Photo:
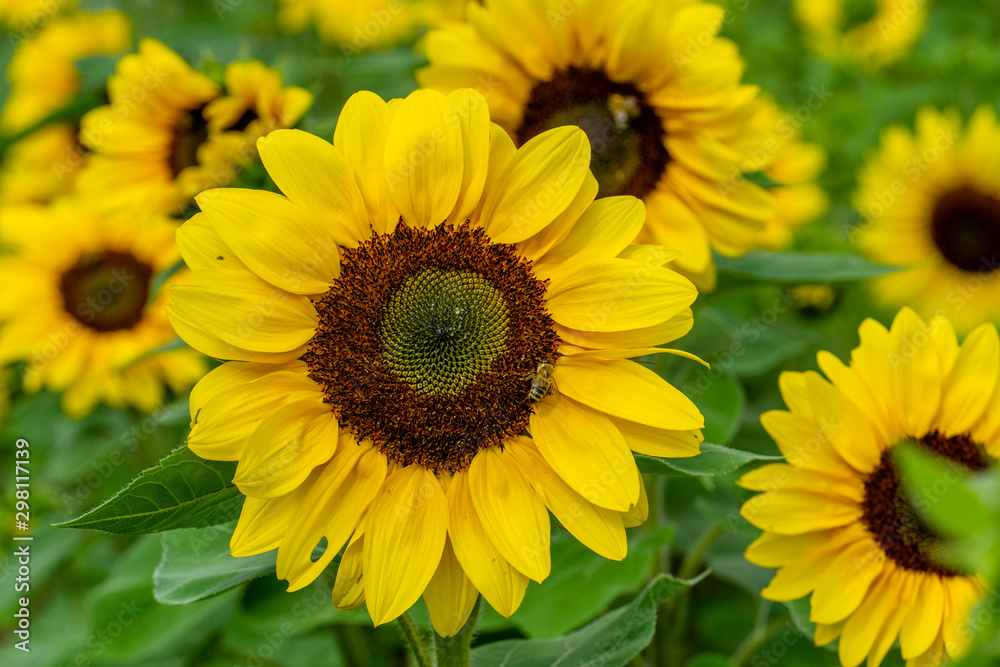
x=891 y=517
x=190 y=133
x=107 y=291
x=965 y=226
x=626 y=134
x=427 y=342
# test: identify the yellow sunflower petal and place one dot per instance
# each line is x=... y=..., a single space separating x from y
x=601 y=530
x=604 y=230
x=587 y=451
x=450 y=595
x=923 y=625
x=847 y=581
x=501 y=584
x=474 y=116
x=203 y=248
x=627 y=390
x=424 y=159
x=285 y=447
x=280 y=241
x=916 y=377
x=407 y=526
x=317 y=176
x=237 y=308
x=511 y=515
x=797 y=512
x=973 y=378
x=332 y=510
x=538 y=183
x=862 y=628
x=348 y=587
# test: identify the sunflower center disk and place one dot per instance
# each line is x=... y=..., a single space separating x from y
x=893 y=520
x=427 y=342
x=190 y=133
x=106 y=291
x=626 y=135
x=443 y=329
x=965 y=226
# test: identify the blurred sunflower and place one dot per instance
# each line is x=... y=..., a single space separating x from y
x=80 y=316
x=27 y=16
x=838 y=522
x=874 y=32
x=362 y=25
x=655 y=89
x=44 y=78
x=396 y=319
x=169 y=132
x=930 y=201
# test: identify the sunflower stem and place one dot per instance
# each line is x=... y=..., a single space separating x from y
x=672 y=644
x=456 y=651
x=415 y=642
x=756 y=639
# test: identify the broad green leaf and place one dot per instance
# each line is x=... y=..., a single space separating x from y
x=128 y=626
x=801 y=267
x=610 y=641
x=182 y=491
x=713 y=460
x=939 y=491
x=196 y=564
x=561 y=603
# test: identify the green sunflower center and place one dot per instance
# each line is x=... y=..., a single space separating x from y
x=965 y=226
x=106 y=291
x=896 y=524
x=626 y=135
x=190 y=133
x=427 y=343
x=443 y=329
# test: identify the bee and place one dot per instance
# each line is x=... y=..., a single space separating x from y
x=541 y=380
x=623 y=109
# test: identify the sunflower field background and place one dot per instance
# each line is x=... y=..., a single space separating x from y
x=113 y=592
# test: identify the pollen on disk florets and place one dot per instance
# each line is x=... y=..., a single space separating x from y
x=427 y=341
x=891 y=517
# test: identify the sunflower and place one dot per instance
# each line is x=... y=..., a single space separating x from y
x=361 y=25
x=28 y=15
x=874 y=32
x=80 y=315
x=930 y=201
x=422 y=297
x=838 y=522
x=44 y=78
x=169 y=132
x=657 y=92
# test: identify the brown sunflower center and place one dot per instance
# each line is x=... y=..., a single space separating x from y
x=893 y=520
x=427 y=341
x=106 y=291
x=625 y=132
x=965 y=226
x=190 y=133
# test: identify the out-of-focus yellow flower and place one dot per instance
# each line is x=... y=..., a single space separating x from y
x=170 y=132
x=881 y=40
x=930 y=201
x=42 y=72
x=659 y=95
x=81 y=317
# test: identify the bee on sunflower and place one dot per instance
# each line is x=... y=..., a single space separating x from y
x=169 y=132
x=387 y=317
x=838 y=522
x=658 y=94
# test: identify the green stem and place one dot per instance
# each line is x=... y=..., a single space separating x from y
x=456 y=651
x=352 y=644
x=755 y=639
x=415 y=642
x=673 y=648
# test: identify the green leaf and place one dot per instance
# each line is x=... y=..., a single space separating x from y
x=938 y=490
x=610 y=641
x=196 y=564
x=182 y=491
x=801 y=267
x=561 y=604
x=713 y=460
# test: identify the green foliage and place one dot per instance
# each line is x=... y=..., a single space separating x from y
x=611 y=641
x=713 y=460
x=182 y=491
x=800 y=267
